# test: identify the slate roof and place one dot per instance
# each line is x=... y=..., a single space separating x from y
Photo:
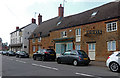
x=107 y=11
x=45 y=27
x=21 y=28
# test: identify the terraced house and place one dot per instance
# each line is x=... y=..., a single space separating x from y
x=96 y=31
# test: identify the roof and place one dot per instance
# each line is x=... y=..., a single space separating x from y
x=45 y=27
x=21 y=28
x=107 y=11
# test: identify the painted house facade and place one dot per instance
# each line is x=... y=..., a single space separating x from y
x=0 y=44
x=19 y=37
x=95 y=31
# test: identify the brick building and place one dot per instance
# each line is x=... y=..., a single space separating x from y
x=95 y=31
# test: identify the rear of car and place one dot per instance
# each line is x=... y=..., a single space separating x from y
x=113 y=62
x=49 y=54
x=83 y=57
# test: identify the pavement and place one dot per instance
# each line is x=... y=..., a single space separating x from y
x=98 y=63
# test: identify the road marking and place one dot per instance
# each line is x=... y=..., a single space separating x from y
x=22 y=61
x=84 y=74
x=44 y=66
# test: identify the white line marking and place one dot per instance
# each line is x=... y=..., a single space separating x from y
x=44 y=66
x=84 y=74
x=22 y=61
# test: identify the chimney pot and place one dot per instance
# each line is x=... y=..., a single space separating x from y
x=60 y=11
x=39 y=19
x=17 y=28
x=33 y=20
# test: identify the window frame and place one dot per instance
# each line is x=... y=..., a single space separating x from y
x=39 y=39
x=63 y=34
x=33 y=48
x=110 y=26
x=110 y=46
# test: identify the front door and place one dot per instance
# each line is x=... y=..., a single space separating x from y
x=91 y=51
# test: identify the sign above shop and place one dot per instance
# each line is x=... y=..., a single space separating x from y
x=93 y=32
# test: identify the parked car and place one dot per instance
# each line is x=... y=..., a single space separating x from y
x=10 y=53
x=0 y=52
x=45 y=54
x=75 y=57
x=21 y=54
x=4 y=52
x=113 y=62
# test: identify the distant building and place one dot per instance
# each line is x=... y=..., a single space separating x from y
x=5 y=46
x=19 y=37
x=0 y=44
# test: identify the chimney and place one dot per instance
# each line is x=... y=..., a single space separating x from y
x=17 y=28
x=39 y=19
x=60 y=11
x=33 y=20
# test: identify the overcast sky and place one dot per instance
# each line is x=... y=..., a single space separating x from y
x=20 y=12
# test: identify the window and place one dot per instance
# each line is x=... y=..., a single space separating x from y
x=33 y=40
x=64 y=34
x=33 y=48
x=111 y=26
x=91 y=46
x=78 y=35
x=77 y=47
x=25 y=46
x=94 y=13
x=111 y=45
x=39 y=48
x=39 y=39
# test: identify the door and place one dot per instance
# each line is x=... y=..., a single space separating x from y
x=91 y=51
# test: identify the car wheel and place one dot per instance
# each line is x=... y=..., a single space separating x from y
x=114 y=67
x=37 y=58
x=58 y=61
x=16 y=56
x=19 y=56
x=34 y=58
x=43 y=58
x=75 y=62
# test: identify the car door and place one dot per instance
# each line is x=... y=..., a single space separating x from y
x=72 y=56
x=64 y=57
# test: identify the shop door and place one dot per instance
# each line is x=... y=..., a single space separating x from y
x=91 y=51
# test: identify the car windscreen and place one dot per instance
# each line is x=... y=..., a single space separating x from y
x=50 y=50
x=81 y=52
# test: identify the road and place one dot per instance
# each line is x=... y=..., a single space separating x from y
x=26 y=67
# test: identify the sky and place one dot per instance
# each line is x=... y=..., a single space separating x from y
x=20 y=12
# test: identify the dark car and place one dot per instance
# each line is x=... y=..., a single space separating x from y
x=21 y=54
x=10 y=53
x=76 y=57
x=45 y=54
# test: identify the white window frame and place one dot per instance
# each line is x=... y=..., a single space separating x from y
x=78 y=47
x=110 y=46
x=78 y=34
x=64 y=34
x=33 y=48
x=39 y=39
x=108 y=25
